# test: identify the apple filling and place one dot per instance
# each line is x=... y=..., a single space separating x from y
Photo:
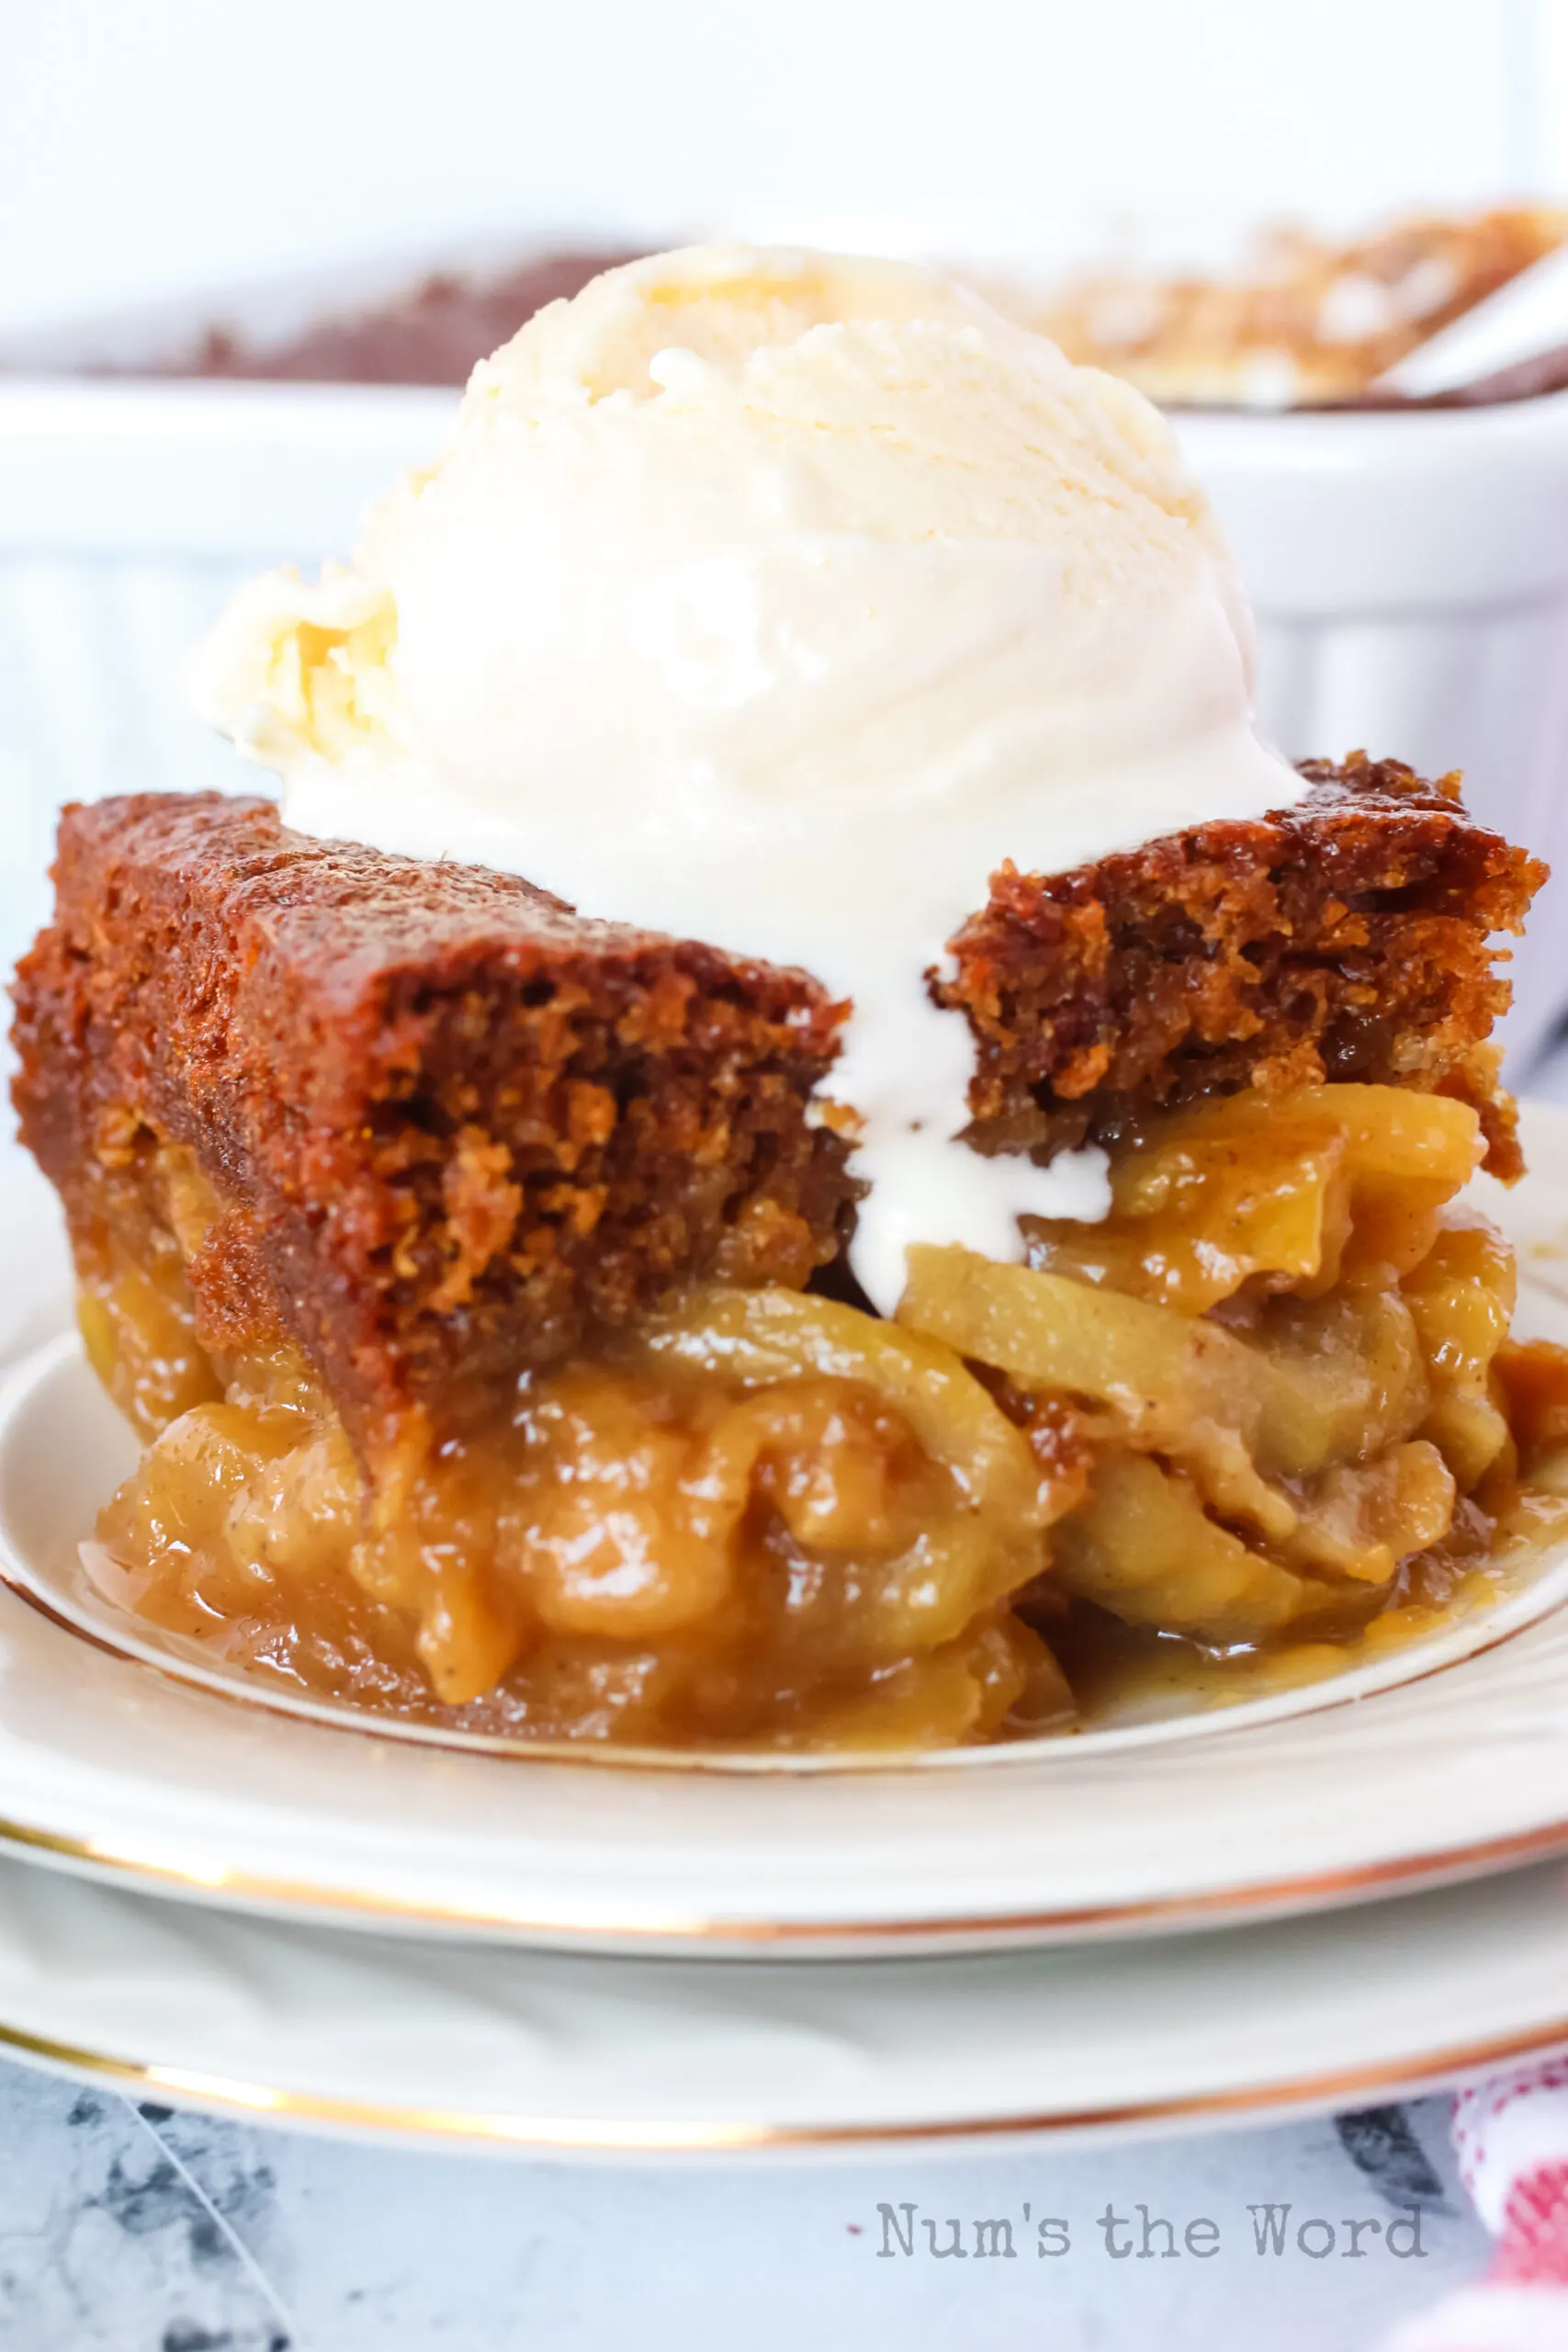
x=1265 y=1415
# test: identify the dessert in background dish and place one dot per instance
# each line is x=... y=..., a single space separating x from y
x=436 y=333
x=1311 y=322
x=794 y=1133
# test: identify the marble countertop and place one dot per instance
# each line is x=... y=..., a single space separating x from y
x=136 y=2228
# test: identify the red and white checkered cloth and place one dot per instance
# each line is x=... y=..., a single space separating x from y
x=1511 y=2136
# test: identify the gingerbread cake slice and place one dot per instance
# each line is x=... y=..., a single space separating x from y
x=440 y=1127
x=1353 y=937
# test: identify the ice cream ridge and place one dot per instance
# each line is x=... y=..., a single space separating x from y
x=775 y=599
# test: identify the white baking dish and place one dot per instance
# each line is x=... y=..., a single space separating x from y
x=1410 y=576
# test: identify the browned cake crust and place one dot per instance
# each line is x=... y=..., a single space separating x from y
x=453 y=1126
x=1347 y=938
x=437 y=332
x=1312 y=320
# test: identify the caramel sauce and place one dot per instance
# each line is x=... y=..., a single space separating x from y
x=622 y=1559
x=1123 y=1675
x=1263 y=1424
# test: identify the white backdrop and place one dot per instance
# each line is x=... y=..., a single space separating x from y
x=157 y=146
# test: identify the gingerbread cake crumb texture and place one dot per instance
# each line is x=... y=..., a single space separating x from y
x=450 y=1126
x=1348 y=938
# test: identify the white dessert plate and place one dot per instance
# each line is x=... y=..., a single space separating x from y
x=118 y=1755
x=572 y=2055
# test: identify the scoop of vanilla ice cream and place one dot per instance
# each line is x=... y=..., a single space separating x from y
x=769 y=524
x=775 y=598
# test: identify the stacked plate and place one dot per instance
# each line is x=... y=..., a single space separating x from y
x=1298 y=1901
